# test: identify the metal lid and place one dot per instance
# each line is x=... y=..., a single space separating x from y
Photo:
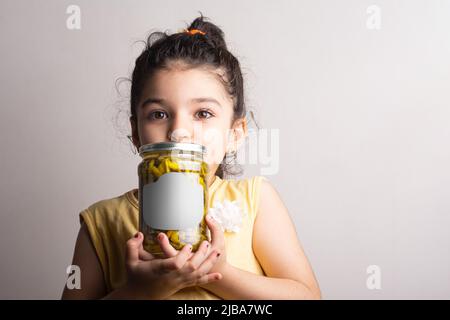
x=172 y=146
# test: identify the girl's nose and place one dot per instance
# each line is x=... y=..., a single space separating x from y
x=178 y=136
x=180 y=131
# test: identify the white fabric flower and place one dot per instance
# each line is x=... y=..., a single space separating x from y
x=227 y=214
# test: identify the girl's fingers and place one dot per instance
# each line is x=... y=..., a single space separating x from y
x=201 y=275
x=199 y=256
x=207 y=278
x=177 y=262
x=165 y=245
x=145 y=255
x=132 y=250
x=208 y=263
x=217 y=238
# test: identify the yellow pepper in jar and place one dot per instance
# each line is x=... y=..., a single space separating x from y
x=150 y=170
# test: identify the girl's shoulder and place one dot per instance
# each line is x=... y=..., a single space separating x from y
x=111 y=209
x=245 y=191
x=246 y=181
x=249 y=185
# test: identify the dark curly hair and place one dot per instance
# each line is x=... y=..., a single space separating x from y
x=207 y=48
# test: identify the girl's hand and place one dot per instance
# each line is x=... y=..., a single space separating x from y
x=154 y=278
x=217 y=245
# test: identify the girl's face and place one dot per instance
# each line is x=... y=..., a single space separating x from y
x=188 y=105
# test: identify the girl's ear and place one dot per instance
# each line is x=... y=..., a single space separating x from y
x=238 y=134
x=134 y=132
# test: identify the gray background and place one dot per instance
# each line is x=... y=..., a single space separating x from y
x=363 y=118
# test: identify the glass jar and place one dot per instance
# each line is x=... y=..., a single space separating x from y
x=172 y=194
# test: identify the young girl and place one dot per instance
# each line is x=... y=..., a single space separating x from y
x=181 y=82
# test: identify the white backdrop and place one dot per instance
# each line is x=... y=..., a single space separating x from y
x=361 y=100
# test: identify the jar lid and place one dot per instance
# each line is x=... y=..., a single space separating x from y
x=182 y=146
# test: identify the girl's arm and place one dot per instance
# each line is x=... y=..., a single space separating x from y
x=166 y=277
x=277 y=248
x=91 y=274
x=91 y=278
x=92 y=281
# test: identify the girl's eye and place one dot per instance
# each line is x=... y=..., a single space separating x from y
x=205 y=114
x=157 y=115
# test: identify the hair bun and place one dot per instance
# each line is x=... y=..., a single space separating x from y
x=212 y=32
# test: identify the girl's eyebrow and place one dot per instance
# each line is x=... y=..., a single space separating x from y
x=195 y=100
x=206 y=99
x=152 y=100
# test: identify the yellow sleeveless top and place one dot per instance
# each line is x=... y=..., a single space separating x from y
x=112 y=222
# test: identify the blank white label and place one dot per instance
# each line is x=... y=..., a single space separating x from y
x=174 y=202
